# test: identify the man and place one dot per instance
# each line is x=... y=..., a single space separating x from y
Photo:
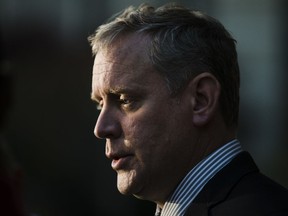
x=167 y=83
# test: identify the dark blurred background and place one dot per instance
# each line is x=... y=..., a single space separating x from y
x=49 y=127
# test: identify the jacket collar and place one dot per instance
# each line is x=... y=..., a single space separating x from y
x=219 y=187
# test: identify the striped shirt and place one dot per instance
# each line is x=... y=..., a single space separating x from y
x=197 y=178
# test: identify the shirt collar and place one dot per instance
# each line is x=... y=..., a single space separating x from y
x=197 y=178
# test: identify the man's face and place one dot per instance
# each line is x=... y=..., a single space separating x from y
x=148 y=132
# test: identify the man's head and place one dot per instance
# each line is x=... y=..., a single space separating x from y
x=167 y=82
x=183 y=43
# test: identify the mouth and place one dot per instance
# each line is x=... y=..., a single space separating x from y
x=121 y=162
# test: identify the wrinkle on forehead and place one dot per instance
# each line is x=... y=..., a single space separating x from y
x=112 y=73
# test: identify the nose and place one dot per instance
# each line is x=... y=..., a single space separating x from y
x=107 y=125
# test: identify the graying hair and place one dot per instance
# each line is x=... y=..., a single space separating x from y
x=184 y=43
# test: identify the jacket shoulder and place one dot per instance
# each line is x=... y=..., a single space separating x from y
x=240 y=189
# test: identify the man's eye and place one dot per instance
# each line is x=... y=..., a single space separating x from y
x=99 y=105
x=125 y=101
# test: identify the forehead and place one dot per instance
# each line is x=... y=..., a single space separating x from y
x=127 y=51
x=119 y=63
x=124 y=63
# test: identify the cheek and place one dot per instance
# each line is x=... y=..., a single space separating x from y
x=147 y=135
x=144 y=126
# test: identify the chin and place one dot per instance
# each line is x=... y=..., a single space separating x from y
x=126 y=183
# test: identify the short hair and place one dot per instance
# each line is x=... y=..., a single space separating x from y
x=183 y=44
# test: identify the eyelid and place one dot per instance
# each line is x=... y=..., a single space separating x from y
x=126 y=99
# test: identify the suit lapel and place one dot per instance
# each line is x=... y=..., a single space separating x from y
x=219 y=187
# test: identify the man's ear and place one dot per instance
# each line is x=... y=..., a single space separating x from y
x=205 y=91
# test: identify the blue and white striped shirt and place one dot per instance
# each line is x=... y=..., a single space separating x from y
x=197 y=178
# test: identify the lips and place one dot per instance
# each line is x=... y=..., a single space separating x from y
x=120 y=162
x=120 y=157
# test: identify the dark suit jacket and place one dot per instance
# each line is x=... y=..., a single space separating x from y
x=240 y=189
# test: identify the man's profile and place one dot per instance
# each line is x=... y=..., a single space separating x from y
x=167 y=83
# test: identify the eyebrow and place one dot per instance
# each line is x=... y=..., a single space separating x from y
x=115 y=91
